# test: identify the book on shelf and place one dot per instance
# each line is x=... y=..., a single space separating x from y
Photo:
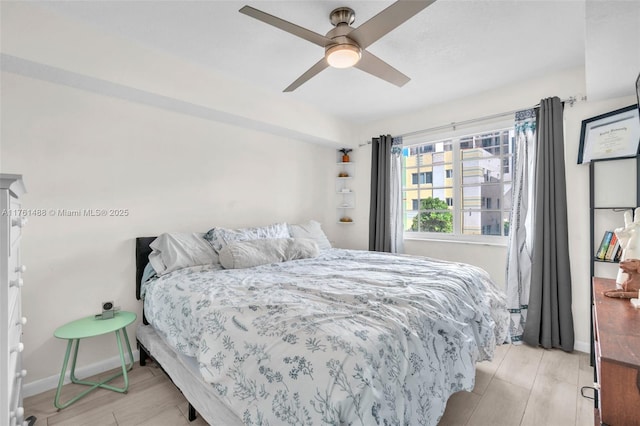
x=604 y=245
x=618 y=255
x=613 y=247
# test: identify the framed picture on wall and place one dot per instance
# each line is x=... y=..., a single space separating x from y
x=615 y=134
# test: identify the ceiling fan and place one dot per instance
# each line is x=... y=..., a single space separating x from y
x=344 y=45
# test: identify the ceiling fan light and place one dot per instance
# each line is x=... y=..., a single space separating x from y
x=343 y=55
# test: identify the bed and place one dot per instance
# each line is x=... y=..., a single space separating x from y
x=344 y=337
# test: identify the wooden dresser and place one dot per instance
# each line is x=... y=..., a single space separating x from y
x=11 y=319
x=617 y=356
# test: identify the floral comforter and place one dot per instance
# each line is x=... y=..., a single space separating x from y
x=346 y=338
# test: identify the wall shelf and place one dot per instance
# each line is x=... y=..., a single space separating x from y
x=345 y=196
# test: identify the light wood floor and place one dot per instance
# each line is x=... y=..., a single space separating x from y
x=521 y=386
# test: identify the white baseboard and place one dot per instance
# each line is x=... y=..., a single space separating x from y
x=51 y=382
x=582 y=346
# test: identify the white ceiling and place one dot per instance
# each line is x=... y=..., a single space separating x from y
x=452 y=49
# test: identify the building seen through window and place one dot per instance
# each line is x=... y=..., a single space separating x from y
x=459 y=186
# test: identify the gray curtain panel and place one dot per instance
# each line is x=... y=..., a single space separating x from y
x=380 y=208
x=550 y=319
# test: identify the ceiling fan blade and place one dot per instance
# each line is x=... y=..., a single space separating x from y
x=294 y=29
x=375 y=66
x=311 y=72
x=391 y=17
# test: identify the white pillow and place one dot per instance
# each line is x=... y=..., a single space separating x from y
x=173 y=251
x=311 y=230
x=220 y=237
x=247 y=254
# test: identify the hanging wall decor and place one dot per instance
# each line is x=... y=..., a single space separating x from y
x=615 y=134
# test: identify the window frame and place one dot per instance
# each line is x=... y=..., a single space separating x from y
x=503 y=123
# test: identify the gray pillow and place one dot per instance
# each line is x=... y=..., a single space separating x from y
x=311 y=230
x=172 y=251
x=247 y=254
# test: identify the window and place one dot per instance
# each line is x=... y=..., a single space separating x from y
x=458 y=187
x=421 y=178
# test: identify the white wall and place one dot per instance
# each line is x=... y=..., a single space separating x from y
x=95 y=122
x=38 y=41
x=492 y=257
x=172 y=172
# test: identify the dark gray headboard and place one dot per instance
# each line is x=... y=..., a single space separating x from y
x=142 y=258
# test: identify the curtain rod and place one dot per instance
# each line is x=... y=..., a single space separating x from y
x=570 y=100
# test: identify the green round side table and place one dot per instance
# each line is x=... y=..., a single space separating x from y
x=91 y=327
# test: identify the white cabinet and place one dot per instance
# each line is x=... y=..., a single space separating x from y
x=345 y=196
x=12 y=219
